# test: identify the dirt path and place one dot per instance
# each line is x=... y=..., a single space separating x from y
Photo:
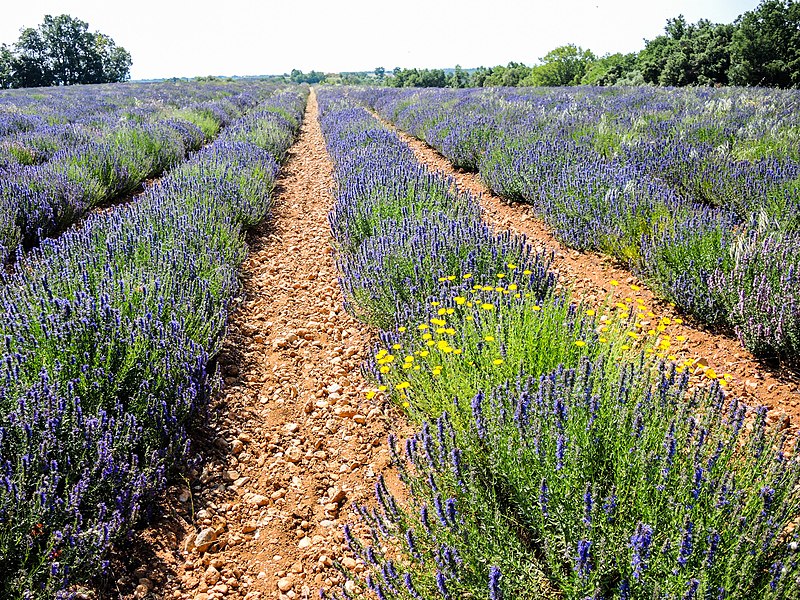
x=591 y=275
x=297 y=440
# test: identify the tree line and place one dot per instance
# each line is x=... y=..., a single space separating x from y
x=760 y=48
x=62 y=51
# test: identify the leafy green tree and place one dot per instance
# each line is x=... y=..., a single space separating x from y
x=31 y=63
x=688 y=54
x=565 y=65
x=62 y=51
x=380 y=73
x=765 y=49
x=115 y=61
x=6 y=67
x=609 y=69
x=297 y=76
x=478 y=77
x=700 y=57
x=418 y=78
x=510 y=75
x=458 y=79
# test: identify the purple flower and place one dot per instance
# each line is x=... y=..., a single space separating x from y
x=641 y=542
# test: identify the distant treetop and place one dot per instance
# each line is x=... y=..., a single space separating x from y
x=62 y=51
x=760 y=48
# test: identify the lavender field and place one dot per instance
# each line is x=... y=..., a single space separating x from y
x=562 y=447
x=110 y=329
x=697 y=190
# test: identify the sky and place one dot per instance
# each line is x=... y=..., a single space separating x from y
x=248 y=37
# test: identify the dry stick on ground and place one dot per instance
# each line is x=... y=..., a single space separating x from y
x=299 y=440
x=590 y=275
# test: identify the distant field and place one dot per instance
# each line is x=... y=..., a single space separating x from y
x=565 y=448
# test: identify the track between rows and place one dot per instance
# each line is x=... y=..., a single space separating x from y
x=295 y=442
x=595 y=278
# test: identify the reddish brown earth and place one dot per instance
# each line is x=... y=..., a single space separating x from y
x=292 y=439
x=590 y=276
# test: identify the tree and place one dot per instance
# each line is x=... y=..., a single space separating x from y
x=380 y=73
x=418 y=78
x=688 y=54
x=565 y=65
x=765 y=49
x=458 y=79
x=609 y=69
x=6 y=67
x=478 y=77
x=62 y=51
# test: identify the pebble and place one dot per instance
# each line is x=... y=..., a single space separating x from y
x=211 y=576
x=294 y=454
x=258 y=500
x=286 y=583
x=204 y=539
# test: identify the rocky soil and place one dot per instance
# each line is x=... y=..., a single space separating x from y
x=292 y=440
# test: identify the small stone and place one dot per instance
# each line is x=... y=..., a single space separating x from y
x=304 y=543
x=204 y=539
x=360 y=419
x=237 y=446
x=258 y=500
x=334 y=388
x=348 y=563
x=249 y=527
x=337 y=495
x=211 y=576
x=286 y=583
x=230 y=475
x=294 y=454
x=291 y=427
x=146 y=583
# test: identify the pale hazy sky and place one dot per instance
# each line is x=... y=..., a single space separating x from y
x=249 y=37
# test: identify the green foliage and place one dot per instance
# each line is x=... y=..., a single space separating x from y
x=298 y=76
x=688 y=54
x=418 y=78
x=762 y=47
x=609 y=69
x=565 y=65
x=62 y=51
x=765 y=47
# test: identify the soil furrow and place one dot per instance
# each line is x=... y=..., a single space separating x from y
x=294 y=439
x=591 y=276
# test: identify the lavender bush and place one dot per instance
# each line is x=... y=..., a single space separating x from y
x=668 y=182
x=107 y=334
x=555 y=459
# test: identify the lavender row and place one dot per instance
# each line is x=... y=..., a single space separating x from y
x=108 y=334
x=26 y=111
x=407 y=238
x=605 y=480
x=39 y=201
x=401 y=230
x=698 y=191
x=36 y=124
x=556 y=462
